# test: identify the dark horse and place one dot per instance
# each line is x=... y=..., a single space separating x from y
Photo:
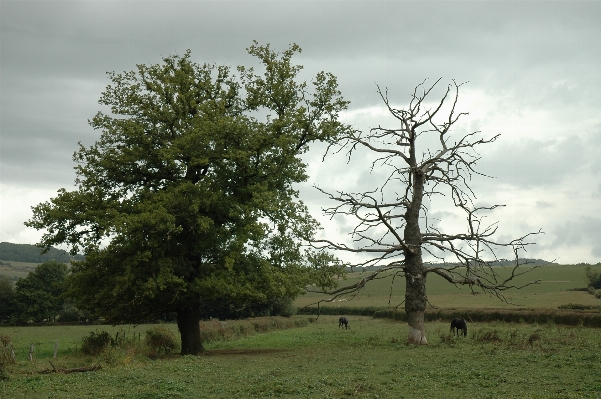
x=459 y=324
x=343 y=322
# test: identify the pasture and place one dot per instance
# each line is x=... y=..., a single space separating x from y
x=321 y=360
x=16 y=270
x=553 y=290
x=370 y=360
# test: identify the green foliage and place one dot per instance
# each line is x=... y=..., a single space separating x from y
x=160 y=341
x=577 y=306
x=593 y=278
x=283 y=307
x=70 y=314
x=6 y=355
x=31 y=253
x=194 y=191
x=7 y=295
x=38 y=296
x=95 y=343
x=230 y=310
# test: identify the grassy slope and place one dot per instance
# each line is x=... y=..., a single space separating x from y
x=551 y=292
x=12 y=269
x=367 y=361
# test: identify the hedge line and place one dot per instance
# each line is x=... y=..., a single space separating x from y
x=586 y=318
x=340 y=311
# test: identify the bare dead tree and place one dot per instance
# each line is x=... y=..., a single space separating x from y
x=392 y=228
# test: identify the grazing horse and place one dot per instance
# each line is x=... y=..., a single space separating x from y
x=459 y=324
x=343 y=322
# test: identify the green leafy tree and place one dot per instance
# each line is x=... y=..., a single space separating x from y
x=7 y=295
x=38 y=296
x=593 y=278
x=188 y=196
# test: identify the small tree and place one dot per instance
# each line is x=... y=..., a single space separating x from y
x=38 y=296
x=593 y=278
x=187 y=198
x=7 y=295
x=421 y=162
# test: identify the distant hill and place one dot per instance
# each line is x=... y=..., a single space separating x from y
x=31 y=253
x=500 y=262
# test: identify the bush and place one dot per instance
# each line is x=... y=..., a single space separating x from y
x=593 y=277
x=283 y=307
x=7 y=355
x=69 y=314
x=96 y=343
x=598 y=294
x=160 y=341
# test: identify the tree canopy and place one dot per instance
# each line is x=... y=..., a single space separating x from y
x=188 y=195
x=38 y=296
x=7 y=295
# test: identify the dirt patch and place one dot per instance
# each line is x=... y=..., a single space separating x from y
x=225 y=352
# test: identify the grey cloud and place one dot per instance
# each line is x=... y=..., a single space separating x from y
x=579 y=231
x=544 y=204
x=528 y=56
x=533 y=162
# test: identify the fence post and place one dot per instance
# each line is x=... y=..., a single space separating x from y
x=31 y=353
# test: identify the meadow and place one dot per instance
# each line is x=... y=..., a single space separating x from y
x=15 y=270
x=370 y=360
x=309 y=356
x=555 y=288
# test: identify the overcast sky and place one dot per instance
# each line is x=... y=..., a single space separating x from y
x=534 y=72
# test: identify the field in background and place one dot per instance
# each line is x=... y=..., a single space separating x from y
x=370 y=360
x=16 y=270
x=551 y=292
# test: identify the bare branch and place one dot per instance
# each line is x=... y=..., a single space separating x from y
x=389 y=227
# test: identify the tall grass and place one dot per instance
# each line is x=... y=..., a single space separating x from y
x=216 y=330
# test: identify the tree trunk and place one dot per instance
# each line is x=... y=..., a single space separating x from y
x=415 y=300
x=415 y=278
x=188 y=322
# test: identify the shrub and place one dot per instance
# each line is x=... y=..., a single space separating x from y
x=593 y=277
x=7 y=355
x=283 y=307
x=488 y=336
x=69 y=314
x=598 y=294
x=160 y=341
x=96 y=343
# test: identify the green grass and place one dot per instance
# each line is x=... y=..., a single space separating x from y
x=368 y=361
x=16 y=270
x=551 y=292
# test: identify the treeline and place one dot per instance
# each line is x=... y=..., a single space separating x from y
x=571 y=315
x=37 y=297
x=43 y=296
x=32 y=254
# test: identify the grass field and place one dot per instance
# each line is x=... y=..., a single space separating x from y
x=321 y=361
x=15 y=270
x=371 y=360
x=551 y=292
